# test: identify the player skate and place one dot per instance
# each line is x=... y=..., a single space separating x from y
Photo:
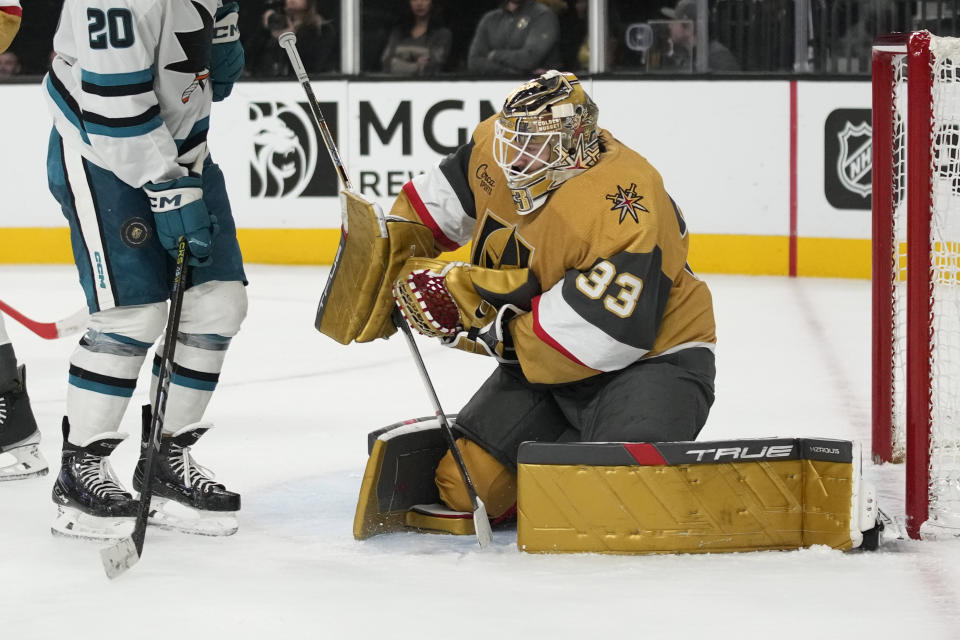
x=90 y=501
x=19 y=455
x=185 y=496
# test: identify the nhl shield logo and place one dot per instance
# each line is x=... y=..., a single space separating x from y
x=855 y=158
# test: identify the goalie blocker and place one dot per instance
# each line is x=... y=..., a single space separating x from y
x=672 y=497
x=356 y=302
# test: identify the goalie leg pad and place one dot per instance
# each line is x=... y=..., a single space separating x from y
x=399 y=475
x=690 y=497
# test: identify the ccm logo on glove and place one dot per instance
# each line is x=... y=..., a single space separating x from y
x=173 y=199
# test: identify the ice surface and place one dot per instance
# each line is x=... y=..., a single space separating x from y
x=292 y=412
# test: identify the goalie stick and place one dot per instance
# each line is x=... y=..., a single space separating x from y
x=50 y=330
x=481 y=522
x=125 y=553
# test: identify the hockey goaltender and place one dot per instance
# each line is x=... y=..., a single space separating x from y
x=578 y=284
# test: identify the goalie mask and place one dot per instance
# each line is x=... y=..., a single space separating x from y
x=546 y=134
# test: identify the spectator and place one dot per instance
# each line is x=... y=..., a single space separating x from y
x=9 y=65
x=521 y=37
x=683 y=37
x=418 y=45
x=317 y=39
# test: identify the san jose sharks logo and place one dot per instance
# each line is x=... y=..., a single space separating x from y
x=627 y=202
x=196 y=46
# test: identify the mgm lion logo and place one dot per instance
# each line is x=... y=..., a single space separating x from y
x=499 y=246
x=285 y=155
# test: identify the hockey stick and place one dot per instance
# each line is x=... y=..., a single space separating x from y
x=50 y=330
x=481 y=522
x=125 y=553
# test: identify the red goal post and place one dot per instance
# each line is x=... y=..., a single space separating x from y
x=916 y=287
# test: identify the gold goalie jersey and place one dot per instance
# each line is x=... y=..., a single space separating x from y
x=609 y=249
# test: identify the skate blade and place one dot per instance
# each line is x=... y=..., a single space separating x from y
x=73 y=523
x=27 y=462
x=174 y=516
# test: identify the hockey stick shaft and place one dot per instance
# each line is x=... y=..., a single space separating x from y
x=481 y=521
x=49 y=330
x=123 y=555
x=289 y=42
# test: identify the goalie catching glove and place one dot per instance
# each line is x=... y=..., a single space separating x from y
x=459 y=302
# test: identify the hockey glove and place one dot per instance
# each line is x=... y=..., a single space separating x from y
x=226 y=55
x=179 y=210
x=442 y=299
x=493 y=340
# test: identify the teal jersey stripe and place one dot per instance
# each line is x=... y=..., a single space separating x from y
x=201 y=125
x=116 y=79
x=62 y=104
x=124 y=132
x=99 y=387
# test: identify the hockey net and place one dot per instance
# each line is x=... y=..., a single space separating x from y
x=916 y=282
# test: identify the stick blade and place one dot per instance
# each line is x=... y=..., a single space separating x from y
x=481 y=524
x=73 y=323
x=119 y=557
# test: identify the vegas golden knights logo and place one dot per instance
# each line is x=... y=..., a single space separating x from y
x=498 y=245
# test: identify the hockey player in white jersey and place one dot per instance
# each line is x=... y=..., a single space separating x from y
x=130 y=91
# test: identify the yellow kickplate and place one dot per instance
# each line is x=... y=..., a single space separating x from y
x=699 y=508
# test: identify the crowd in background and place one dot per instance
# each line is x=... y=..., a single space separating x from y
x=434 y=37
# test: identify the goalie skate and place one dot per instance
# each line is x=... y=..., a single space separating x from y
x=22 y=460
x=185 y=496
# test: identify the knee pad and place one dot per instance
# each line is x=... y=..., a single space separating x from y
x=214 y=307
x=142 y=323
x=495 y=484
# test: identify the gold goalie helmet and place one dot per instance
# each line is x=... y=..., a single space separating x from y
x=546 y=134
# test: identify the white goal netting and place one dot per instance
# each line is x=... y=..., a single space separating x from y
x=944 y=280
x=945 y=286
